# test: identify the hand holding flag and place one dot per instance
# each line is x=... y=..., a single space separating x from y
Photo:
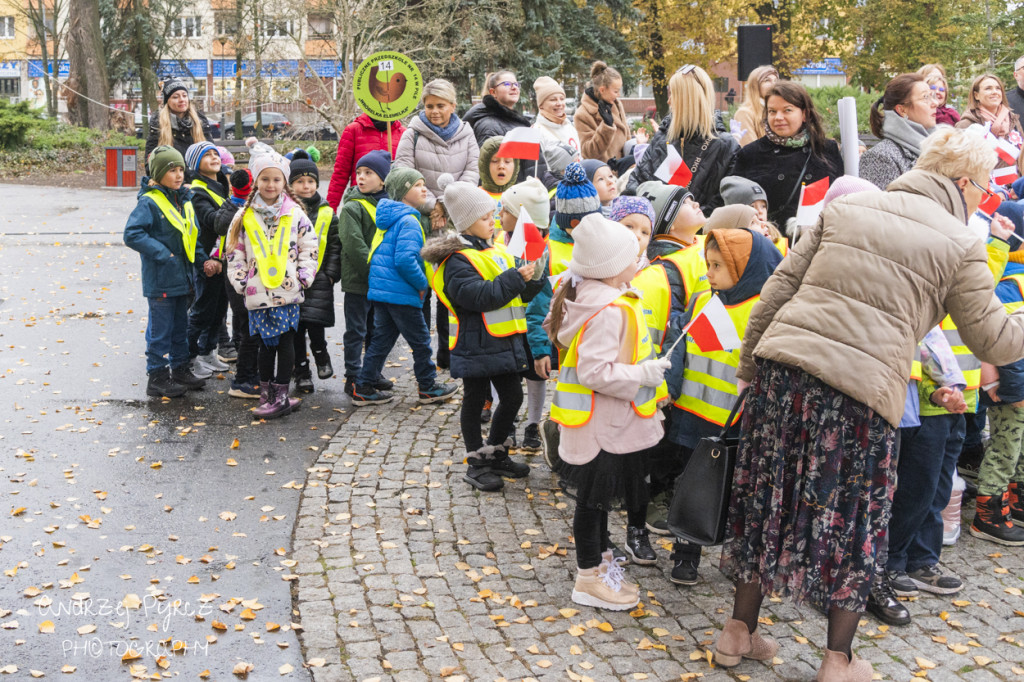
x=526 y=241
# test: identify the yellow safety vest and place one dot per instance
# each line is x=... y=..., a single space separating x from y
x=323 y=221
x=218 y=201
x=504 y=321
x=916 y=373
x=378 y=237
x=969 y=365
x=573 y=403
x=652 y=283
x=709 y=379
x=559 y=255
x=782 y=244
x=693 y=268
x=271 y=256
x=497 y=210
x=1017 y=280
x=188 y=226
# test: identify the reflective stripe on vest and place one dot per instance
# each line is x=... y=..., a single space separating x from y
x=218 y=200
x=915 y=369
x=709 y=379
x=187 y=225
x=505 y=321
x=652 y=283
x=573 y=403
x=323 y=221
x=559 y=255
x=969 y=365
x=692 y=267
x=271 y=257
x=1018 y=280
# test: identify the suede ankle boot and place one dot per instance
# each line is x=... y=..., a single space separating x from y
x=836 y=667
x=736 y=642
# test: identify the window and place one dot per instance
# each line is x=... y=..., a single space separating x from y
x=47 y=27
x=320 y=26
x=278 y=28
x=226 y=23
x=186 y=27
x=10 y=87
x=6 y=27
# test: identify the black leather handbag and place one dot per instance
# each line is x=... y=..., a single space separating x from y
x=700 y=501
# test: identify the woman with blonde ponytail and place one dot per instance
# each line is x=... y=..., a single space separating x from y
x=178 y=123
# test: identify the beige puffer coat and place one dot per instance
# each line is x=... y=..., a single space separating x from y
x=856 y=294
x=434 y=156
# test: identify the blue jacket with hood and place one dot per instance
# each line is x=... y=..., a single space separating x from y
x=396 y=267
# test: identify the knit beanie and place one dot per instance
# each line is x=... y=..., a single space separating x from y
x=195 y=153
x=737 y=190
x=163 y=159
x=400 y=181
x=226 y=157
x=241 y=183
x=465 y=203
x=379 y=161
x=575 y=197
x=263 y=157
x=558 y=156
x=735 y=246
x=531 y=194
x=602 y=248
x=730 y=217
x=487 y=151
x=302 y=166
x=591 y=166
x=666 y=200
x=848 y=184
x=172 y=86
x=627 y=205
x=545 y=87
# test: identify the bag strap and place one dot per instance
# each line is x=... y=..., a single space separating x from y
x=735 y=408
x=800 y=177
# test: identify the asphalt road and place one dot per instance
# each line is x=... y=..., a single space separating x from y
x=109 y=494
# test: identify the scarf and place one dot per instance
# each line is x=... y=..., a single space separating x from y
x=1000 y=120
x=543 y=119
x=904 y=132
x=446 y=133
x=796 y=141
x=268 y=212
x=184 y=121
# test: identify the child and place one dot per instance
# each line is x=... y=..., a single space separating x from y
x=357 y=225
x=606 y=401
x=601 y=176
x=316 y=312
x=497 y=173
x=397 y=284
x=734 y=216
x=704 y=384
x=737 y=190
x=481 y=287
x=162 y=228
x=209 y=191
x=637 y=214
x=227 y=160
x=270 y=275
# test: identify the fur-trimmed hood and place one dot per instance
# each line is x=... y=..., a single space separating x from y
x=439 y=248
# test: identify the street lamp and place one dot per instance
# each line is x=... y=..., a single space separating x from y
x=223 y=93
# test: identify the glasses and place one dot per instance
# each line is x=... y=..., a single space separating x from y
x=986 y=191
x=510 y=84
x=936 y=88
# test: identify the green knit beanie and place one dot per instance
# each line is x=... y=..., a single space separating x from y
x=400 y=181
x=163 y=159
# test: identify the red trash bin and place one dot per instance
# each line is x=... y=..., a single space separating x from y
x=121 y=165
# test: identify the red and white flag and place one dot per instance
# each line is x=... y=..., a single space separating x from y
x=812 y=202
x=990 y=202
x=713 y=329
x=520 y=143
x=1006 y=150
x=673 y=171
x=526 y=241
x=1007 y=175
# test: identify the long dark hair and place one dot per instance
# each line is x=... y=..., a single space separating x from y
x=797 y=95
x=897 y=91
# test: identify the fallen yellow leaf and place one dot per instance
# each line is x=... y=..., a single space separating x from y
x=46 y=627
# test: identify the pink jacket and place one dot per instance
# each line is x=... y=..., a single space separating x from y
x=604 y=367
x=358 y=139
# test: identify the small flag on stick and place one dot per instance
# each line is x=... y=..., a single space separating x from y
x=812 y=202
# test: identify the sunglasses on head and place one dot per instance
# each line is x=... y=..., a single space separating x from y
x=686 y=68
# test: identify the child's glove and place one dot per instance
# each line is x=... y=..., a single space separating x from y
x=652 y=372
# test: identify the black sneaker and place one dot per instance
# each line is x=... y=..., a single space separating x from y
x=549 y=438
x=368 y=395
x=227 y=354
x=638 y=546
x=883 y=604
x=382 y=384
x=531 y=438
x=437 y=393
x=479 y=474
x=160 y=385
x=485 y=414
x=350 y=387
x=303 y=378
x=931 y=579
x=969 y=461
x=684 y=572
x=324 y=368
x=901 y=584
x=183 y=375
x=503 y=465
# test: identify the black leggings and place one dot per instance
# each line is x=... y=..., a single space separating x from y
x=317 y=340
x=283 y=353
x=475 y=392
x=590 y=530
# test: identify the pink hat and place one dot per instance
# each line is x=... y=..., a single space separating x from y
x=226 y=157
x=848 y=184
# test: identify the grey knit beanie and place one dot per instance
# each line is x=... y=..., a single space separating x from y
x=465 y=203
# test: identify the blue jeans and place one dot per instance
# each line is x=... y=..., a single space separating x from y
x=167 y=333
x=357 y=311
x=924 y=480
x=389 y=321
x=207 y=314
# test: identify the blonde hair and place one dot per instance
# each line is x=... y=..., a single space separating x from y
x=564 y=291
x=602 y=75
x=972 y=97
x=927 y=69
x=492 y=79
x=439 y=87
x=235 y=231
x=166 y=138
x=693 y=110
x=752 y=99
x=956 y=153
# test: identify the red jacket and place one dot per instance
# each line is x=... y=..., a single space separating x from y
x=358 y=138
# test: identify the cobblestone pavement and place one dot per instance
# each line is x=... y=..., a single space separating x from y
x=407 y=573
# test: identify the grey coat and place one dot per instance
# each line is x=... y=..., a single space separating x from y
x=885 y=162
x=421 y=148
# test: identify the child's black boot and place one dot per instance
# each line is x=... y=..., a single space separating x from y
x=160 y=385
x=479 y=474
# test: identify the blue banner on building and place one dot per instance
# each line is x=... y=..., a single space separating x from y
x=35 y=68
x=830 y=66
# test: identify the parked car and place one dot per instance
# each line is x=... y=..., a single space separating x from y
x=316 y=132
x=274 y=125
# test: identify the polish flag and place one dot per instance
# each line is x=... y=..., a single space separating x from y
x=520 y=143
x=1006 y=150
x=1005 y=176
x=812 y=202
x=526 y=241
x=990 y=202
x=673 y=171
x=713 y=329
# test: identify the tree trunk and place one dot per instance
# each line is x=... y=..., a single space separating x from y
x=88 y=68
x=147 y=81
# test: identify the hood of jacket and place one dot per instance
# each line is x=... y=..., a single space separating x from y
x=763 y=260
x=489 y=106
x=939 y=189
x=463 y=131
x=177 y=197
x=390 y=213
x=591 y=296
x=439 y=248
x=366 y=122
x=557 y=234
x=487 y=152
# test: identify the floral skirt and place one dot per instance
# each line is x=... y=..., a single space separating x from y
x=812 y=492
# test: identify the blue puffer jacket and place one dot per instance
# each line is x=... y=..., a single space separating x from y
x=396 y=268
x=166 y=270
x=537 y=309
x=1011 y=377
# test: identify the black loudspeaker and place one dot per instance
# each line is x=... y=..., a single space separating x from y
x=754 y=48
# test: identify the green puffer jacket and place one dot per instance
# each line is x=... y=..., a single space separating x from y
x=356 y=229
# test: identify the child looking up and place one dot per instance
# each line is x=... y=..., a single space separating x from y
x=497 y=173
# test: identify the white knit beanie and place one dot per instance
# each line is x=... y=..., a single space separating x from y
x=262 y=157
x=531 y=194
x=465 y=203
x=603 y=249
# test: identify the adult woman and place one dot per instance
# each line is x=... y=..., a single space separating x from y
x=794 y=151
x=986 y=104
x=750 y=115
x=901 y=118
x=554 y=124
x=690 y=128
x=177 y=123
x=494 y=115
x=935 y=76
x=815 y=470
x=360 y=137
x=601 y=118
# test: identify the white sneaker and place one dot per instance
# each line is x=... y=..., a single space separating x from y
x=602 y=589
x=213 y=362
x=200 y=370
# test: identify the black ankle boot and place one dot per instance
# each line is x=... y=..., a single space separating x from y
x=324 y=368
x=303 y=378
x=638 y=546
x=160 y=385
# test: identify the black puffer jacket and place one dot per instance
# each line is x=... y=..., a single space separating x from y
x=181 y=136
x=206 y=208
x=490 y=118
x=318 y=307
x=715 y=163
x=476 y=352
